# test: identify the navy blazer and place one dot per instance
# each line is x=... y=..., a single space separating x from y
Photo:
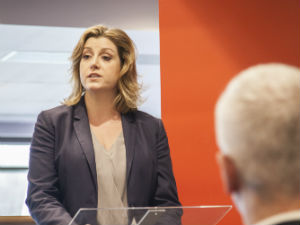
x=62 y=172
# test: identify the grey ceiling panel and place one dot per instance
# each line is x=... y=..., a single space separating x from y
x=129 y=14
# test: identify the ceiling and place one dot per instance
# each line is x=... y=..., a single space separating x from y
x=125 y=14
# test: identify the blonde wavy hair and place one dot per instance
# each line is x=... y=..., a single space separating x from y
x=128 y=89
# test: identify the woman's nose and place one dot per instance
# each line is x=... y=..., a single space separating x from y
x=95 y=63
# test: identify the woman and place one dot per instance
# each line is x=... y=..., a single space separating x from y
x=98 y=150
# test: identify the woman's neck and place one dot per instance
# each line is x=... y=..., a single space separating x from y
x=100 y=107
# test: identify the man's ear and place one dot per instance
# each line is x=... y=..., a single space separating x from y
x=229 y=173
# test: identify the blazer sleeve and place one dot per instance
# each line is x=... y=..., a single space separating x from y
x=166 y=191
x=43 y=187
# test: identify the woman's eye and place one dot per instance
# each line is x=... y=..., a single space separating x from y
x=86 y=56
x=106 y=58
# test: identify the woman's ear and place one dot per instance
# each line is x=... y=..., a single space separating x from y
x=229 y=173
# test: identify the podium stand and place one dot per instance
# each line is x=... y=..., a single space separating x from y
x=188 y=215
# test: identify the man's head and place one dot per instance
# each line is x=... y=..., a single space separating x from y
x=257 y=128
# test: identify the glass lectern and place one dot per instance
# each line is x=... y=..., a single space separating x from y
x=188 y=215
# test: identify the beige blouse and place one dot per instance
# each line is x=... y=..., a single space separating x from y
x=111 y=179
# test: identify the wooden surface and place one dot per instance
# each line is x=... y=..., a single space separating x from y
x=20 y=220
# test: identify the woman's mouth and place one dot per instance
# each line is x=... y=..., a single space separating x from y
x=94 y=75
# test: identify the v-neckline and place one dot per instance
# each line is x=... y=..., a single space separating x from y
x=107 y=150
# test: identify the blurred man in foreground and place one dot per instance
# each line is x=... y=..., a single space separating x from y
x=257 y=129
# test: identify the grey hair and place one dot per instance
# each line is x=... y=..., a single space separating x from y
x=257 y=125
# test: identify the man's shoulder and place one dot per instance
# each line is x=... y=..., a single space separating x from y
x=284 y=218
x=296 y=222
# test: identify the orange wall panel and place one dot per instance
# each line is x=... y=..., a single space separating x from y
x=203 y=45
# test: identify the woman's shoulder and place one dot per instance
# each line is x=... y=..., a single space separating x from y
x=57 y=110
x=56 y=113
x=144 y=120
x=144 y=116
x=148 y=123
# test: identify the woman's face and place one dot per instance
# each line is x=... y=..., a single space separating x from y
x=100 y=65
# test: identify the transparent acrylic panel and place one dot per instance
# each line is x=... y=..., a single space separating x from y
x=190 y=215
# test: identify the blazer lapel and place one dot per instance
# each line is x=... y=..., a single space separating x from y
x=129 y=131
x=82 y=130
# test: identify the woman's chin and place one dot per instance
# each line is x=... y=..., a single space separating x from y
x=98 y=89
x=94 y=87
